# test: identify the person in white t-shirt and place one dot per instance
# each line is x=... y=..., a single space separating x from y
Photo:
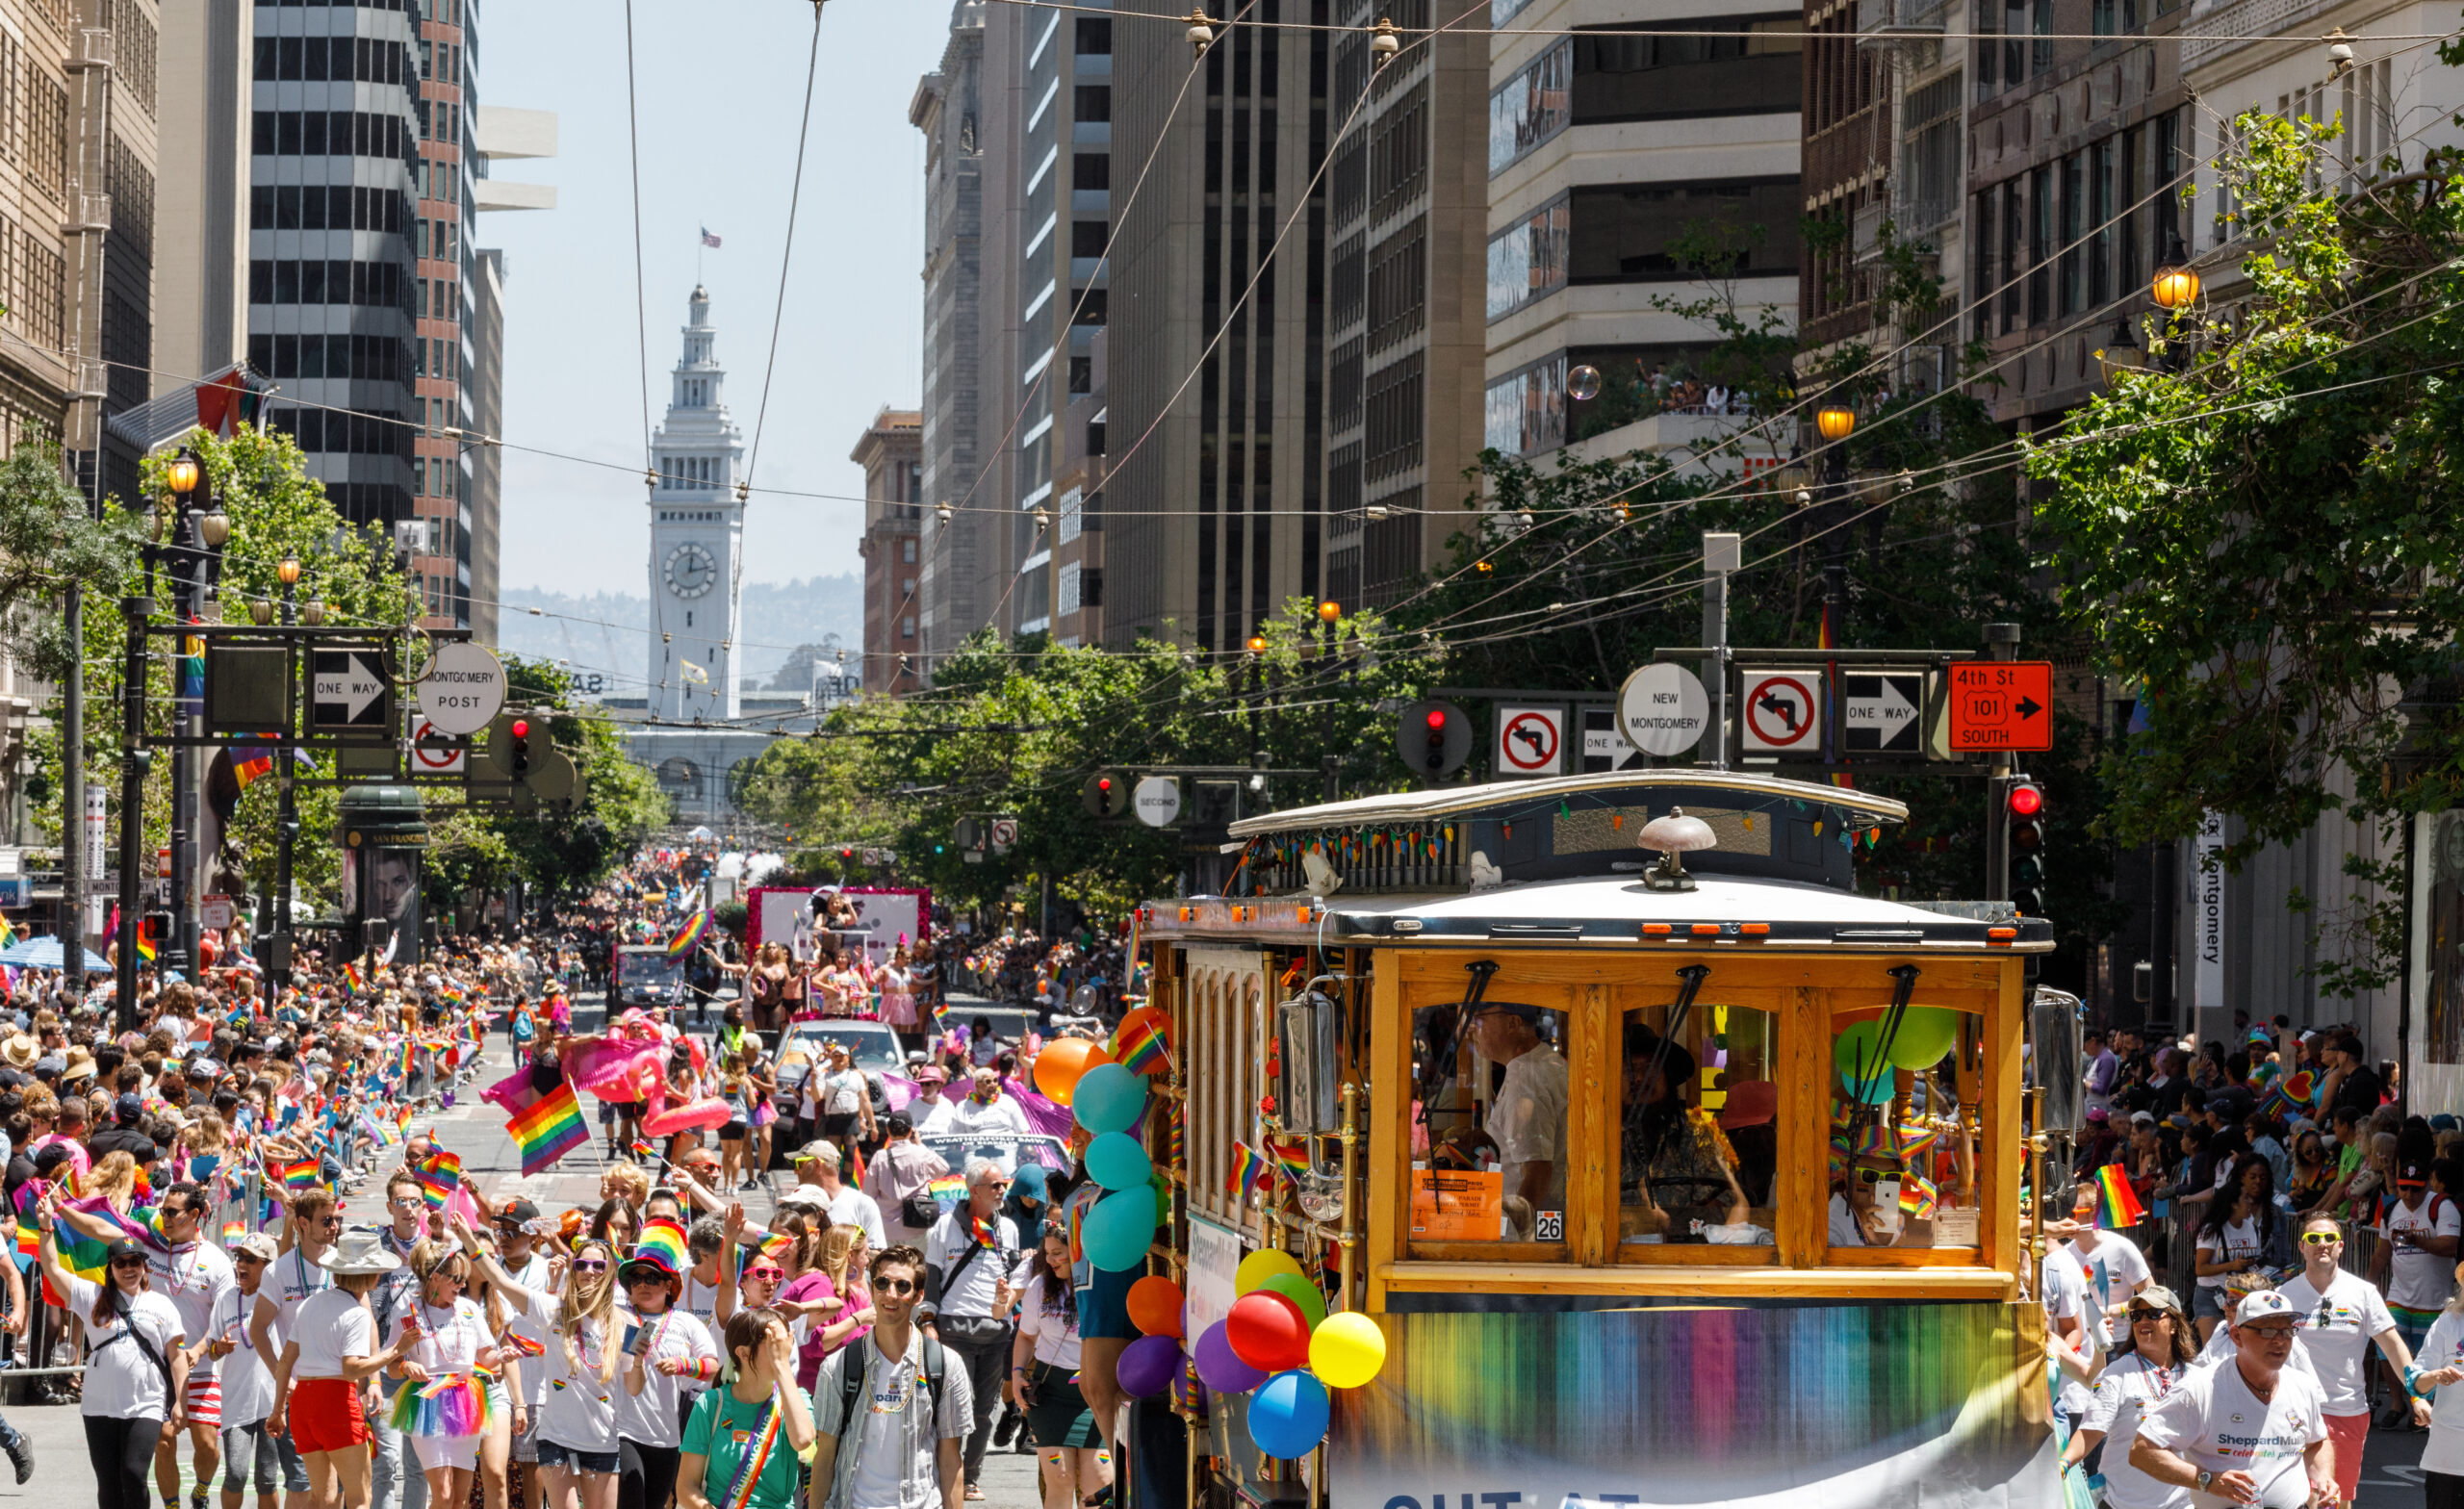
x=2418 y=1258
x=322 y=1393
x=2153 y=1358
x=2440 y=1369
x=2062 y=1288
x=2220 y=1346
x=2249 y=1431
x=2341 y=1316
x=248 y=1452
x=135 y=1367
x=2115 y=1270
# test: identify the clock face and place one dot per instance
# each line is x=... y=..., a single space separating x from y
x=691 y=571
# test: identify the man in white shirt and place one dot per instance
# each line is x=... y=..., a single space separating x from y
x=519 y=1227
x=2418 y=1258
x=847 y=1205
x=988 y=1109
x=968 y=1260
x=2062 y=1286
x=2340 y=1316
x=1527 y=1120
x=931 y=1109
x=2115 y=1270
x=2246 y=1431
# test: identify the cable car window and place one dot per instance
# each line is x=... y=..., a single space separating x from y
x=1489 y=1151
x=1697 y=1146
x=1904 y=1129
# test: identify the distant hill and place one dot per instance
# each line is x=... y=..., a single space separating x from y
x=609 y=630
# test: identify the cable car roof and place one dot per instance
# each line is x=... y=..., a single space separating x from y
x=1669 y=783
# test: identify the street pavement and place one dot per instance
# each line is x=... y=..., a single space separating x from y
x=475 y=1128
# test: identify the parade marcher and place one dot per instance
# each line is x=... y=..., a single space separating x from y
x=2439 y=1368
x=508 y=1409
x=2156 y=1355
x=2339 y=1316
x=135 y=1370
x=742 y=1445
x=1043 y=1367
x=328 y=1356
x=400 y=1479
x=669 y=1355
x=891 y=1411
x=518 y=1230
x=899 y=1178
x=827 y=1301
x=1527 y=1121
x=2418 y=1258
x=299 y=1274
x=967 y=1269
x=2249 y=1430
x=577 y=1445
x=443 y=1345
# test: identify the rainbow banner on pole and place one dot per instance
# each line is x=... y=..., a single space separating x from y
x=690 y=934
x=439 y=1175
x=2117 y=1202
x=549 y=1128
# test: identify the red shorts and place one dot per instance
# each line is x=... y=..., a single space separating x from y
x=325 y=1415
x=205 y=1401
x=2348 y=1432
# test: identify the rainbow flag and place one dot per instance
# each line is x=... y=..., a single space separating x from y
x=29 y=1239
x=948 y=1189
x=1291 y=1155
x=663 y=1242
x=440 y=1174
x=549 y=1128
x=144 y=943
x=300 y=1176
x=1916 y=1197
x=1247 y=1169
x=2117 y=1204
x=1141 y=1044
x=521 y=1346
x=690 y=934
x=352 y=978
x=233 y=1231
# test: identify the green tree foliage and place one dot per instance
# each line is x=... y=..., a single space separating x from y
x=2263 y=542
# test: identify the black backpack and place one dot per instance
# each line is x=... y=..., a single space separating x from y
x=852 y=1372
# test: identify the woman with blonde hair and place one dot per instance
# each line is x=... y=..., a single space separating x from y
x=114 y=1179
x=577 y=1445
x=443 y=1345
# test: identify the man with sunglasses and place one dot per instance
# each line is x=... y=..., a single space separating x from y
x=899 y=1447
x=2249 y=1430
x=2339 y=1316
x=394 y=1470
x=298 y=1274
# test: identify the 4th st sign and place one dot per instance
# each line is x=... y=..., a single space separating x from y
x=348 y=693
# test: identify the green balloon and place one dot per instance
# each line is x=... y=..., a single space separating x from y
x=1300 y=1291
x=1859 y=1049
x=1926 y=1032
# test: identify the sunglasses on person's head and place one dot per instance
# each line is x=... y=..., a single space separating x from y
x=894 y=1285
x=2320 y=1239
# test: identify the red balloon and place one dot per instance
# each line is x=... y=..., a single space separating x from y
x=1268 y=1331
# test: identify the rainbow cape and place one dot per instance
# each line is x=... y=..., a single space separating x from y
x=549 y=1128
x=2117 y=1203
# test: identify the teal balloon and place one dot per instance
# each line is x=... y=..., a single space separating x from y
x=1118 y=1229
x=1859 y=1048
x=1926 y=1032
x=1117 y=1162
x=1300 y=1291
x=1108 y=1098
x=1287 y=1414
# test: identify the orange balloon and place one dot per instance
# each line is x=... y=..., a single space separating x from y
x=1155 y=1306
x=1061 y=1064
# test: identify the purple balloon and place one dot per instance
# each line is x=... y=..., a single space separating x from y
x=1148 y=1365
x=1219 y=1368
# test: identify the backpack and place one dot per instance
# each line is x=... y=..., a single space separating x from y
x=851 y=1383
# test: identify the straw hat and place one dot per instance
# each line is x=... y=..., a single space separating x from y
x=81 y=1064
x=360 y=1251
x=20 y=1051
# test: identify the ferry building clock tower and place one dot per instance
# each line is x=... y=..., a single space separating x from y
x=697 y=537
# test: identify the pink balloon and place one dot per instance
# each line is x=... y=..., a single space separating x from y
x=694 y=1117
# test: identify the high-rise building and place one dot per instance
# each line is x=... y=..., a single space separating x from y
x=953 y=594
x=891 y=453
x=697 y=536
x=201 y=294
x=487 y=461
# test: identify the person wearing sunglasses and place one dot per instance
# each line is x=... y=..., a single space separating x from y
x=2440 y=1366
x=297 y=1273
x=2154 y=1356
x=445 y=1347
x=669 y=1357
x=2340 y=1316
x=135 y=1371
x=323 y=1389
x=2249 y=1430
x=906 y=1451
x=578 y=1454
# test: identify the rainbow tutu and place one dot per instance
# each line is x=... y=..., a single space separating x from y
x=454 y=1406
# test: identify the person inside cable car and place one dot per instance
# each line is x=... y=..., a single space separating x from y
x=1527 y=1119
x=1869 y=1176
x=1673 y=1175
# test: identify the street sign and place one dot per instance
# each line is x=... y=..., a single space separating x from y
x=348 y=693
x=1531 y=741
x=1005 y=833
x=1157 y=801
x=1881 y=712
x=969 y=835
x=1603 y=744
x=428 y=761
x=216 y=913
x=463 y=689
x=2001 y=704
x=1663 y=710
x=1782 y=713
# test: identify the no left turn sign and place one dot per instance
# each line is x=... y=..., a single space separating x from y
x=1782 y=713
x=1531 y=741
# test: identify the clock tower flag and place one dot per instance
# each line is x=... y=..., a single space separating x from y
x=697 y=536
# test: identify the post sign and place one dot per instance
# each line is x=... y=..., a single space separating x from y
x=1881 y=712
x=346 y=692
x=428 y=761
x=2001 y=704
x=464 y=688
x=1663 y=710
x=1531 y=741
x=1781 y=712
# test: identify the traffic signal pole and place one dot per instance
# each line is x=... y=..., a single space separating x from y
x=2001 y=643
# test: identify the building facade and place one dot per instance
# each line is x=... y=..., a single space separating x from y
x=697 y=536
x=1632 y=174
x=487 y=461
x=201 y=294
x=891 y=453
x=948 y=109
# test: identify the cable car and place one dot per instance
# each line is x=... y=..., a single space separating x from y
x=1672 y=1169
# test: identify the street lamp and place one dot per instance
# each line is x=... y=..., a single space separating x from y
x=1328 y=612
x=2176 y=284
x=1836 y=420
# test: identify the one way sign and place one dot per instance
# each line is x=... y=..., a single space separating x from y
x=348 y=693
x=1881 y=712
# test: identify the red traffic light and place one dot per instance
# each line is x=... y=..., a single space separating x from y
x=1437 y=717
x=522 y=727
x=1103 y=783
x=2025 y=800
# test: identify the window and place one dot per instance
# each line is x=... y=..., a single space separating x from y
x=1625 y=232
x=1530 y=107
x=1903 y=1160
x=1086 y=238
x=1072 y=520
x=1067 y=599
x=2075 y=227
x=1698 y=1147
x=906 y=551
x=1528 y=261
x=907 y=626
x=2101 y=169
x=2041 y=247
x=1525 y=412
x=1633 y=75
x=1095 y=38
x=1091 y=102
x=1492 y=1100
x=1090 y=172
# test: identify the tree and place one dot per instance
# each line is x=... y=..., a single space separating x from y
x=2263 y=543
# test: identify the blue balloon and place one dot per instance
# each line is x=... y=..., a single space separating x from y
x=1287 y=1414
x=1108 y=1098
x=1118 y=1229
x=1117 y=1162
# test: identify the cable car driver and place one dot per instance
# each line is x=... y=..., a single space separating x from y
x=1527 y=1121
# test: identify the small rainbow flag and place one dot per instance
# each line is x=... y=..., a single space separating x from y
x=2117 y=1204
x=233 y=1231
x=440 y=1174
x=1247 y=1169
x=521 y=1346
x=29 y=1239
x=1291 y=1155
x=549 y=1128
x=351 y=979
x=690 y=934
x=1916 y=1197
x=144 y=944
x=947 y=1190
x=1142 y=1042
x=299 y=1176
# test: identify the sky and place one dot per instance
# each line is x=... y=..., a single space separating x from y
x=720 y=84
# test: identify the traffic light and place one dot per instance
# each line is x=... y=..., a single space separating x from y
x=1433 y=737
x=518 y=762
x=1105 y=795
x=2023 y=829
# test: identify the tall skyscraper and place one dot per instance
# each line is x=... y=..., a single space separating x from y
x=697 y=536
x=201 y=294
x=951 y=595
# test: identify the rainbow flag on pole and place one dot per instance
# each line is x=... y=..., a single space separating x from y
x=439 y=1174
x=1142 y=1043
x=690 y=934
x=549 y=1128
x=2117 y=1203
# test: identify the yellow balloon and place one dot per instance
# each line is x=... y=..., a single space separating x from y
x=1346 y=1350
x=1260 y=1266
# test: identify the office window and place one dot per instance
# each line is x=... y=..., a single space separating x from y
x=1094 y=36
x=1086 y=238
x=1624 y=233
x=2041 y=45
x=1988 y=49
x=1090 y=171
x=906 y=551
x=1091 y=102
x=1525 y=412
x=2074 y=229
x=1528 y=261
x=2101 y=172
x=1531 y=106
x=1632 y=74
x=907 y=626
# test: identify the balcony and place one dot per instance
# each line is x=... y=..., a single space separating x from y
x=1889 y=23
